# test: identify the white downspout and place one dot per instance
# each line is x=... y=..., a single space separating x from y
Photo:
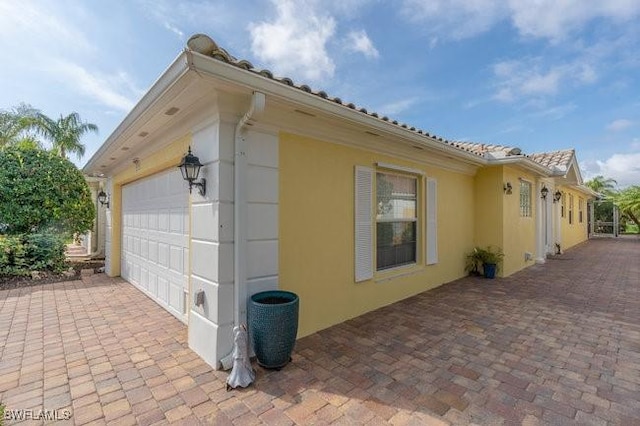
x=240 y=206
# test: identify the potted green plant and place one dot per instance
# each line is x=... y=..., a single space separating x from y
x=473 y=260
x=490 y=258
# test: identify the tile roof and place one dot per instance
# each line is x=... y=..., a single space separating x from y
x=556 y=160
x=485 y=148
x=203 y=44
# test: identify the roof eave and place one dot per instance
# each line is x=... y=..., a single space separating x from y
x=167 y=79
x=238 y=76
x=524 y=162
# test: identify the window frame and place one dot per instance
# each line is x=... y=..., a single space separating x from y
x=580 y=210
x=417 y=219
x=563 y=205
x=526 y=209
x=570 y=209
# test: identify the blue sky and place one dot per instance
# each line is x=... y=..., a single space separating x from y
x=541 y=75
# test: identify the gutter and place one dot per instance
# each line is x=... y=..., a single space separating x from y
x=253 y=114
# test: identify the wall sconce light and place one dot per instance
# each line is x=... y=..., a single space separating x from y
x=190 y=169
x=556 y=196
x=508 y=188
x=103 y=198
x=544 y=191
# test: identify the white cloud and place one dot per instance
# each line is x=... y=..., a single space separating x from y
x=113 y=91
x=624 y=168
x=620 y=125
x=554 y=19
x=530 y=78
x=396 y=107
x=555 y=113
x=359 y=41
x=37 y=26
x=180 y=16
x=550 y=19
x=455 y=19
x=295 y=43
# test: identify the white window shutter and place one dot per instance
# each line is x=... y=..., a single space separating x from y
x=364 y=223
x=432 y=221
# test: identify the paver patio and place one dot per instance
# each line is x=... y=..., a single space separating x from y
x=555 y=344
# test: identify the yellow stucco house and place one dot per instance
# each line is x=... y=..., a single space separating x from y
x=304 y=192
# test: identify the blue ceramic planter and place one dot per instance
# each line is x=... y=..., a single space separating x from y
x=273 y=326
x=489 y=270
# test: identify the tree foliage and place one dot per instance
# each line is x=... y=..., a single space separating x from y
x=16 y=126
x=64 y=133
x=42 y=191
x=23 y=124
x=628 y=200
x=602 y=185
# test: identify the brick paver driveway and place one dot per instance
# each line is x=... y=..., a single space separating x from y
x=555 y=344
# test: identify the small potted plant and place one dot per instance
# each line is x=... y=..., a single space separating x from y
x=473 y=260
x=490 y=258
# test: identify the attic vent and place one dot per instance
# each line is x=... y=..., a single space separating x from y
x=143 y=134
x=418 y=147
x=371 y=133
x=172 y=111
x=308 y=114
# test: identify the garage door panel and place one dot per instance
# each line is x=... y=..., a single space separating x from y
x=163 y=289
x=153 y=283
x=153 y=251
x=155 y=239
x=175 y=257
x=176 y=221
x=163 y=254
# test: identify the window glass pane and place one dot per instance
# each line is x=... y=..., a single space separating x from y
x=396 y=197
x=396 y=244
x=525 y=199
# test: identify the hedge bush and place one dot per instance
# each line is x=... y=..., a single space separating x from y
x=20 y=254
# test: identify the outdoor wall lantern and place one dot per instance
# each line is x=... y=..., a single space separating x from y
x=103 y=198
x=508 y=188
x=557 y=196
x=544 y=191
x=190 y=169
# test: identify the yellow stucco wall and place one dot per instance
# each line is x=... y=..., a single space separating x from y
x=489 y=200
x=519 y=232
x=317 y=233
x=498 y=222
x=576 y=232
x=164 y=159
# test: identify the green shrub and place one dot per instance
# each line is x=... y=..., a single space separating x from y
x=20 y=254
x=13 y=256
x=40 y=191
x=45 y=252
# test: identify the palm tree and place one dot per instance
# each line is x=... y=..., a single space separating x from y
x=628 y=200
x=65 y=133
x=602 y=185
x=15 y=125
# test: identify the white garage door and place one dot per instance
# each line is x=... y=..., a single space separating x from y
x=155 y=237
